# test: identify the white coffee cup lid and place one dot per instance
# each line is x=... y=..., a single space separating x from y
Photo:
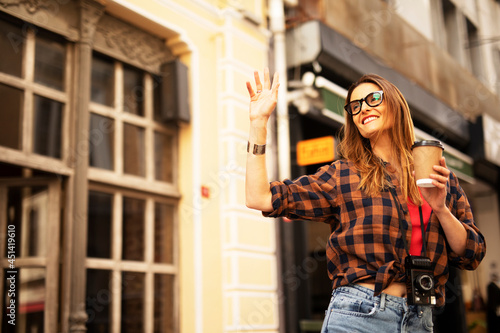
x=425 y=182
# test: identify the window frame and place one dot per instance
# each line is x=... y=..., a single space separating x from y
x=50 y=261
x=107 y=181
x=116 y=265
x=26 y=83
x=117 y=176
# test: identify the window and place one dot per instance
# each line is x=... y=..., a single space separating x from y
x=131 y=262
x=29 y=215
x=496 y=62
x=133 y=91
x=47 y=126
x=98 y=300
x=133 y=220
x=101 y=145
x=125 y=121
x=132 y=254
x=164 y=155
x=10 y=119
x=100 y=215
x=474 y=50
x=103 y=81
x=49 y=63
x=134 y=150
x=33 y=78
x=453 y=40
x=12 y=44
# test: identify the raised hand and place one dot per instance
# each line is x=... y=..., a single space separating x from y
x=264 y=98
x=262 y=103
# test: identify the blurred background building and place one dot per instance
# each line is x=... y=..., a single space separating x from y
x=123 y=144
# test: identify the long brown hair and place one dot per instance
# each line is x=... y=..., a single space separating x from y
x=356 y=148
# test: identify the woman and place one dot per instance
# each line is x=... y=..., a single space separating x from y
x=374 y=208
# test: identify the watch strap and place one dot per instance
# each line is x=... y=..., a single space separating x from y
x=257 y=149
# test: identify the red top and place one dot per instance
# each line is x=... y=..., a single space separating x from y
x=416 y=232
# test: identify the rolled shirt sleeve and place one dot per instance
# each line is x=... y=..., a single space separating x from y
x=475 y=249
x=309 y=197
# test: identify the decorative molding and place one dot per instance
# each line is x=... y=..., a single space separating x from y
x=90 y=14
x=178 y=45
x=58 y=16
x=124 y=41
x=31 y=6
x=77 y=321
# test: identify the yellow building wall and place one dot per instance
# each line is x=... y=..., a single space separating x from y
x=227 y=253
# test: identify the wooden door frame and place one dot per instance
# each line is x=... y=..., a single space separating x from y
x=51 y=260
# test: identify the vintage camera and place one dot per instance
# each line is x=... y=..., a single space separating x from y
x=419 y=281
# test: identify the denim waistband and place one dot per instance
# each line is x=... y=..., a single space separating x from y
x=367 y=293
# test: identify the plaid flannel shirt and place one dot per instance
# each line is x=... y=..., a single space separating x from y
x=366 y=241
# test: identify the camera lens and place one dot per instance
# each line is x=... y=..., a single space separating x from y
x=425 y=282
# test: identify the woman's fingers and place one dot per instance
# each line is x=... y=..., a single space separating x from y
x=258 y=84
x=266 y=85
x=276 y=81
x=250 y=89
x=267 y=81
x=441 y=179
x=439 y=184
x=443 y=173
x=442 y=169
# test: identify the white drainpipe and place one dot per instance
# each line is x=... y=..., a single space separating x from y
x=277 y=25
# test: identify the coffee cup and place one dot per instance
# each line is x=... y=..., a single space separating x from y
x=426 y=154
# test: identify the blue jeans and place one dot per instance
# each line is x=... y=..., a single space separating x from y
x=354 y=309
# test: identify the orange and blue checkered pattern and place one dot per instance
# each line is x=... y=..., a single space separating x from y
x=366 y=241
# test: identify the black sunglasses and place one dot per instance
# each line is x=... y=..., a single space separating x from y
x=372 y=99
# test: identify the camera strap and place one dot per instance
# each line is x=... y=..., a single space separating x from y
x=403 y=229
x=424 y=245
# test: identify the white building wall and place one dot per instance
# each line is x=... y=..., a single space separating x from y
x=417 y=13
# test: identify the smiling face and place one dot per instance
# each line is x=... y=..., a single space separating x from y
x=371 y=121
